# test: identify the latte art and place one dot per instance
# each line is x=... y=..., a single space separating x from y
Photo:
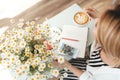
x=81 y=18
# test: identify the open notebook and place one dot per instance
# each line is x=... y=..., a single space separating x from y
x=73 y=41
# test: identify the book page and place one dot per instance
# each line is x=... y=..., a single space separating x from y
x=75 y=37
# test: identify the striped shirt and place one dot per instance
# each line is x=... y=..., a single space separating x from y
x=79 y=63
x=94 y=61
x=95 y=58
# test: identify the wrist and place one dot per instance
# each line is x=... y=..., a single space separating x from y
x=67 y=65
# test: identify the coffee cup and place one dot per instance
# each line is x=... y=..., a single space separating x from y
x=81 y=18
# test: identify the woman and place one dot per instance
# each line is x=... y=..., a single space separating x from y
x=104 y=63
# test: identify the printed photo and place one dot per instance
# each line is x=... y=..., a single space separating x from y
x=67 y=49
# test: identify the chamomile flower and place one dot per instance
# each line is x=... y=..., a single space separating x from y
x=47 y=34
x=27 y=49
x=48 y=51
x=8 y=54
x=50 y=65
x=28 y=62
x=37 y=37
x=37 y=32
x=28 y=39
x=47 y=26
x=33 y=65
x=32 y=23
x=13 y=38
x=29 y=29
x=66 y=69
x=16 y=50
x=8 y=47
x=7 y=35
x=55 y=46
x=38 y=26
x=3 y=50
x=36 y=61
x=40 y=69
x=22 y=58
x=15 y=32
x=37 y=74
x=44 y=58
x=60 y=59
x=37 y=78
x=43 y=77
x=12 y=58
x=1 y=62
x=22 y=44
x=8 y=66
x=40 y=50
x=20 y=25
x=55 y=73
x=32 y=78
x=2 y=46
x=27 y=54
x=42 y=65
x=7 y=41
x=18 y=62
x=20 y=74
x=13 y=44
x=65 y=75
x=36 y=46
x=17 y=70
x=25 y=67
x=20 y=34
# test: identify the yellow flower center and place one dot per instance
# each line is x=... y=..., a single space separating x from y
x=17 y=71
x=0 y=62
x=25 y=67
x=8 y=55
x=61 y=59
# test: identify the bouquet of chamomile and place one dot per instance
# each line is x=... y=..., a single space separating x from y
x=27 y=49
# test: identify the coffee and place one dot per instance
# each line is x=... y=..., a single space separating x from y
x=81 y=18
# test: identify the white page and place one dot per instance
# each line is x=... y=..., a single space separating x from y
x=77 y=33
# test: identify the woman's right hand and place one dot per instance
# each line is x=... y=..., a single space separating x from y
x=63 y=65
x=93 y=13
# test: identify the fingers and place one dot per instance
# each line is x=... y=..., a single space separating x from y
x=55 y=62
x=57 y=65
x=92 y=12
x=90 y=9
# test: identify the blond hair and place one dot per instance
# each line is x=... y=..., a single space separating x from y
x=108 y=33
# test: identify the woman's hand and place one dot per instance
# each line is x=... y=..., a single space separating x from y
x=67 y=65
x=93 y=13
x=54 y=78
x=62 y=65
x=59 y=66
